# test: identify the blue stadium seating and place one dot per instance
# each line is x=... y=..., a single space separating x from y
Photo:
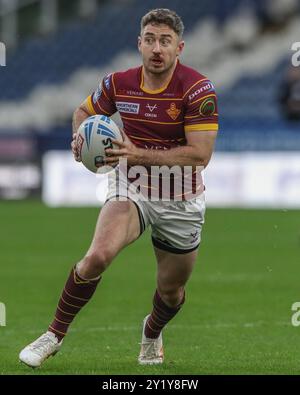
x=250 y=117
x=52 y=59
x=249 y=114
x=93 y=43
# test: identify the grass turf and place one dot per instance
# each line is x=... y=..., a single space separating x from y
x=237 y=316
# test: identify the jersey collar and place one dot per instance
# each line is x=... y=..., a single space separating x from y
x=164 y=87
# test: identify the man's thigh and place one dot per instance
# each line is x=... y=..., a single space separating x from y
x=118 y=225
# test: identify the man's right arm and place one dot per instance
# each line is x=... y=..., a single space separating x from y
x=99 y=102
x=79 y=115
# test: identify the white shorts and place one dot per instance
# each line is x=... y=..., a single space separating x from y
x=176 y=225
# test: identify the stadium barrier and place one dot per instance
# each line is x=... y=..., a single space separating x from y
x=252 y=179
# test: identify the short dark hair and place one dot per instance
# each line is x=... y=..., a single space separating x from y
x=164 y=16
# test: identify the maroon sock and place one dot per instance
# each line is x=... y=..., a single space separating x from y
x=160 y=316
x=76 y=294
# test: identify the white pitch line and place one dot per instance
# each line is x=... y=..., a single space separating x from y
x=120 y=328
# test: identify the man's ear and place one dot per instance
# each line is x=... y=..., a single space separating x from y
x=139 y=42
x=180 y=48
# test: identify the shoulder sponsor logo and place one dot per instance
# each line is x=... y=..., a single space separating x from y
x=173 y=111
x=97 y=93
x=206 y=88
x=207 y=107
x=107 y=81
x=130 y=108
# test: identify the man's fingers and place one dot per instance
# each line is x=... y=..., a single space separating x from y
x=115 y=152
x=111 y=159
x=74 y=147
x=123 y=135
x=118 y=143
x=111 y=152
x=112 y=164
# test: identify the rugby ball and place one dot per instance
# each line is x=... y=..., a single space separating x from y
x=94 y=136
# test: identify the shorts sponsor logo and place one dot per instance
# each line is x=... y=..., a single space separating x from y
x=206 y=88
x=195 y=236
x=173 y=111
x=130 y=108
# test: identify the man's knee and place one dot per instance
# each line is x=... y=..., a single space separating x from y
x=97 y=261
x=173 y=296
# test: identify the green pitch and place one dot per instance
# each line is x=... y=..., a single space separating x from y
x=237 y=316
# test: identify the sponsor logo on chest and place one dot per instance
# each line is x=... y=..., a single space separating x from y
x=150 y=108
x=126 y=107
x=127 y=92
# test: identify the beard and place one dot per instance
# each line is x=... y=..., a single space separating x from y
x=160 y=69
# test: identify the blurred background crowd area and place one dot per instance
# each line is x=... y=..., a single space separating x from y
x=57 y=51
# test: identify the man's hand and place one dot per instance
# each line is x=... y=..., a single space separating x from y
x=127 y=150
x=80 y=114
x=75 y=148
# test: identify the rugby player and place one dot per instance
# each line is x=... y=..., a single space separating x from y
x=169 y=116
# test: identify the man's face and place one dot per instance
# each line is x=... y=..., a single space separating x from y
x=159 y=46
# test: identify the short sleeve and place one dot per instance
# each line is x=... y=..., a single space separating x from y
x=101 y=101
x=201 y=107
